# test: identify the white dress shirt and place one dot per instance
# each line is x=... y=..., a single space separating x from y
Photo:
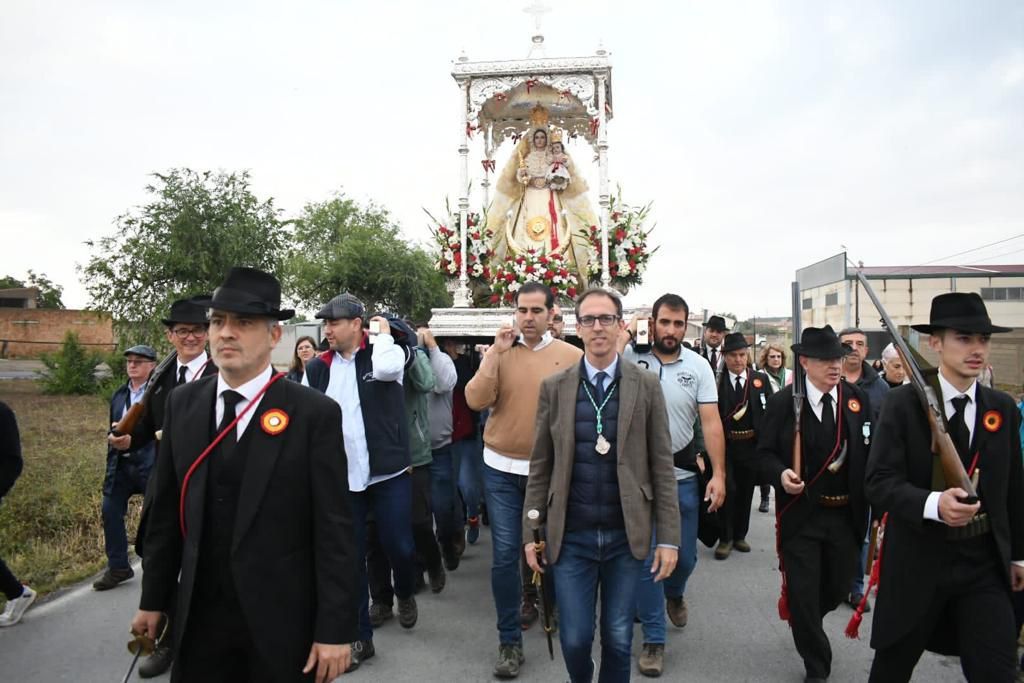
x=192 y=368
x=814 y=395
x=742 y=378
x=248 y=392
x=949 y=392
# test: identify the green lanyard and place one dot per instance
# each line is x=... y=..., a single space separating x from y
x=599 y=409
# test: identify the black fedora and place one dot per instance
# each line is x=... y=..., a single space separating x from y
x=821 y=343
x=186 y=311
x=717 y=323
x=964 y=311
x=734 y=342
x=250 y=292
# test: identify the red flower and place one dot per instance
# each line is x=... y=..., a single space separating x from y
x=620 y=234
x=475 y=236
x=632 y=264
x=615 y=215
x=571 y=291
x=510 y=278
x=495 y=298
x=529 y=268
x=563 y=272
x=554 y=290
x=548 y=274
x=520 y=260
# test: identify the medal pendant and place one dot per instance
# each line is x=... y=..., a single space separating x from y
x=602 y=446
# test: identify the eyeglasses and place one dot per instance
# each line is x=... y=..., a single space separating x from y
x=184 y=332
x=606 y=320
x=557 y=319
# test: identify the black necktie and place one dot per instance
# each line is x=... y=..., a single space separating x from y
x=599 y=385
x=181 y=375
x=828 y=419
x=227 y=444
x=739 y=386
x=714 y=358
x=958 y=427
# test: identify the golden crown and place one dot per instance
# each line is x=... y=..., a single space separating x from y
x=556 y=136
x=539 y=117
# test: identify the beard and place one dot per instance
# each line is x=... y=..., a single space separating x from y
x=667 y=344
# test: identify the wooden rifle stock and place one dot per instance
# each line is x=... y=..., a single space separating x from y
x=127 y=424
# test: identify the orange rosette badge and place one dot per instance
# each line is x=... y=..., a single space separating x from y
x=274 y=421
x=854 y=405
x=758 y=383
x=992 y=420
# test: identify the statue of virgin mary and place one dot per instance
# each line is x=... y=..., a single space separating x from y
x=540 y=201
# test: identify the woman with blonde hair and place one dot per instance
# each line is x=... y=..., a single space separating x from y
x=773 y=363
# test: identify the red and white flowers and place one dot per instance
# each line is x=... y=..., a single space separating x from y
x=551 y=270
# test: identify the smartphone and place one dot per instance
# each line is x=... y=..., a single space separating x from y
x=374 y=330
x=643 y=336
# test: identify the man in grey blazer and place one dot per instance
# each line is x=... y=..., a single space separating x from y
x=601 y=477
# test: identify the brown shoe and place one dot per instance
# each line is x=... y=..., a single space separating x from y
x=652 y=659
x=678 y=614
x=528 y=612
x=741 y=545
x=723 y=550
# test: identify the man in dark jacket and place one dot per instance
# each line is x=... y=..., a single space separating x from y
x=948 y=564
x=821 y=511
x=127 y=471
x=253 y=513
x=19 y=597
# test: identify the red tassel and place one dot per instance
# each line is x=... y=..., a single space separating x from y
x=853 y=628
x=784 y=603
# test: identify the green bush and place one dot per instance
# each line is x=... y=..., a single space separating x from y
x=72 y=370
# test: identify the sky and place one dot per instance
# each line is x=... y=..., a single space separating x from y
x=766 y=134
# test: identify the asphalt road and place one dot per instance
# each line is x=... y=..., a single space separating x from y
x=734 y=633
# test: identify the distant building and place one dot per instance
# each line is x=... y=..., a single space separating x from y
x=19 y=297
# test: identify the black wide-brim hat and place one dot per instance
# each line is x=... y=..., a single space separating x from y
x=248 y=291
x=821 y=343
x=734 y=342
x=717 y=323
x=186 y=311
x=963 y=311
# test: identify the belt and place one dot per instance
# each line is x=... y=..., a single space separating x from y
x=834 y=501
x=978 y=526
x=742 y=435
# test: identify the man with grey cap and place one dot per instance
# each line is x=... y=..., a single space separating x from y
x=363 y=373
x=127 y=470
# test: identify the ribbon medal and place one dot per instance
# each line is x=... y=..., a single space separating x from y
x=866 y=431
x=274 y=421
x=602 y=445
x=992 y=421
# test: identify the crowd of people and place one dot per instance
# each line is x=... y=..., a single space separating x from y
x=326 y=495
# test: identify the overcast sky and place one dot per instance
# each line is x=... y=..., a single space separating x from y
x=766 y=134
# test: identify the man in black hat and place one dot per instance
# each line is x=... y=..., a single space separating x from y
x=253 y=513
x=127 y=471
x=949 y=565
x=820 y=507
x=711 y=343
x=742 y=398
x=186 y=328
x=363 y=373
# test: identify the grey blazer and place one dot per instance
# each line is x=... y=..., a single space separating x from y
x=647 y=482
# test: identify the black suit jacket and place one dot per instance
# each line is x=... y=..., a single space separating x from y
x=153 y=416
x=757 y=389
x=775 y=453
x=899 y=476
x=293 y=550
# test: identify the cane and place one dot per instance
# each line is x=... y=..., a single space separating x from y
x=538 y=579
x=141 y=644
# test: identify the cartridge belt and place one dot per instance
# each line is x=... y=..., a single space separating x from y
x=834 y=501
x=978 y=526
x=741 y=435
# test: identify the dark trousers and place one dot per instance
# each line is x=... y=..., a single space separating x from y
x=9 y=583
x=972 y=593
x=378 y=568
x=128 y=479
x=819 y=563
x=445 y=496
x=734 y=517
x=217 y=648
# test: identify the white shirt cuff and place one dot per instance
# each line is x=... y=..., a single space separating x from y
x=931 y=507
x=668 y=545
x=1019 y=563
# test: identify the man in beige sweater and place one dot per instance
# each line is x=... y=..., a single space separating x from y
x=508 y=382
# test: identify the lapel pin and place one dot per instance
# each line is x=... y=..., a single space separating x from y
x=992 y=421
x=274 y=421
x=854 y=405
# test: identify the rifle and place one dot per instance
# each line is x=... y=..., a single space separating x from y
x=126 y=425
x=953 y=471
x=798 y=385
x=538 y=579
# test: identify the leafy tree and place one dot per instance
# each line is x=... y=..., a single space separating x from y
x=340 y=246
x=182 y=243
x=72 y=369
x=49 y=292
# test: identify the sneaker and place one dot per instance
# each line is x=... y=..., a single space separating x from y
x=15 y=608
x=723 y=550
x=473 y=530
x=379 y=613
x=678 y=613
x=437 y=579
x=741 y=545
x=408 y=613
x=528 y=612
x=157 y=663
x=361 y=651
x=652 y=659
x=112 y=578
x=510 y=657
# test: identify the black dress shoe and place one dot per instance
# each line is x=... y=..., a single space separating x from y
x=763 y=507
x=157 y=663
x=112 y=578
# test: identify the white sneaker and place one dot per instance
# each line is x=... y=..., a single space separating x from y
x=16 y=608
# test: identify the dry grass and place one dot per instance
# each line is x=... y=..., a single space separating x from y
x=51 y=530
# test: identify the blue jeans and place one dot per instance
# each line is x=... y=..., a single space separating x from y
x=650 y=596
x=127 y=479
x=443 y=497
x=469 y=456
x=857 y=587
x=505 y=494
x=588 y=560
x=391 y=503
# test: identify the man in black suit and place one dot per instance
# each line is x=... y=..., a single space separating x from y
x=263 y=539
x=949 y=566
x=821 y=511
x=711 y=343
x=742 y=399
x=186 y=330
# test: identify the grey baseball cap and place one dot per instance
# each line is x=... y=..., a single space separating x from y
x=142 y=350
x=341 y=307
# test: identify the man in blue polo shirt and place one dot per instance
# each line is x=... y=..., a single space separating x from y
x=688 y=383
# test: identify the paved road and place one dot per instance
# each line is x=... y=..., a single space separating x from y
x=734 y=632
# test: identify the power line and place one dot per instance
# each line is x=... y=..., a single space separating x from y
x=989 y=258
x=968 y=251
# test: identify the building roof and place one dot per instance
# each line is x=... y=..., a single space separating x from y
x=896 y=272
x=19 y=293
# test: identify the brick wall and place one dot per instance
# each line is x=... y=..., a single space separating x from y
x=28 y=333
